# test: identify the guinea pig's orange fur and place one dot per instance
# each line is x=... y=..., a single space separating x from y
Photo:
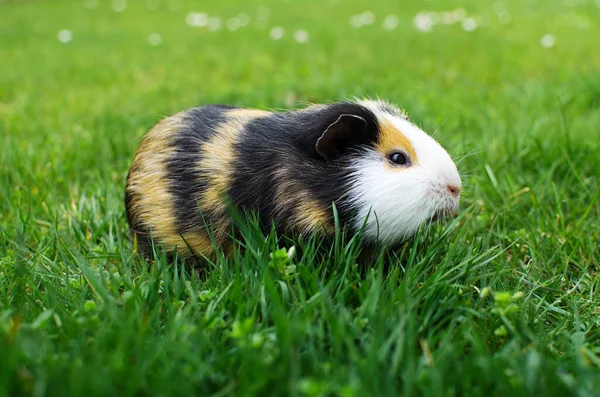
x=148 y=183
x=392 y=139
x=307 y=213
x=216 y=159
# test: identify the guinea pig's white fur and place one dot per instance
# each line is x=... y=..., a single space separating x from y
x=393 y=204
x=381 y=171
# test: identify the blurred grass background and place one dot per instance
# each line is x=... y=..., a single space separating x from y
x=510 y=88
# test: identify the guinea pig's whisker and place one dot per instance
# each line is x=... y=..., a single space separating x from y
x=439 y=127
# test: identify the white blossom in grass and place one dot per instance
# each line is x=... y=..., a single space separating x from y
x=290 y=99
x=119 y=5
x=233 y=24
x=367 y=18
x=435 y=17
x=90 y=4
x=65 y=36
x=263 y=13
x=390 y=23
x=291 y=252
x=548 y=41
x=154 y=39
x=448 y=18
x=469 y=24
x=355 y=21
x=196 y=19
x=262 y=17
x=423 y=21
x=460 y=14
x=364 y=19
x=504 y=17
x=214 y=23
x=276 y=33
x=301 y=36
x=243 y=19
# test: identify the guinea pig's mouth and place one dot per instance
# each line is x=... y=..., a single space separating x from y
x=443 y=213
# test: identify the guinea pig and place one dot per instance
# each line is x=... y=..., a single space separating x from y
x=385 y=176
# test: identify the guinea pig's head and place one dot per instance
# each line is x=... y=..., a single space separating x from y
x=400 y=177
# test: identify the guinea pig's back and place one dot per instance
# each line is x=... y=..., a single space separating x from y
x=178 y=178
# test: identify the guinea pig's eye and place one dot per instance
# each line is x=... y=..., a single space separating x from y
x=398 y=158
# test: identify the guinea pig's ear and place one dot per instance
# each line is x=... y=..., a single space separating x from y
x=347 y=130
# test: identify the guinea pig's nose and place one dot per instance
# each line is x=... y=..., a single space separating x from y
x=454 y=190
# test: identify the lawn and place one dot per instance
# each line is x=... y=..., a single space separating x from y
x=502 y=300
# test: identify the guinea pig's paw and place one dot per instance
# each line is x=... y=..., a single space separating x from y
x=444 y=213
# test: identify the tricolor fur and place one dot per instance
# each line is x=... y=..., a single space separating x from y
x=288 y=167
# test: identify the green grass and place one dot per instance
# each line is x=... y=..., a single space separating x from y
x=504 y=300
